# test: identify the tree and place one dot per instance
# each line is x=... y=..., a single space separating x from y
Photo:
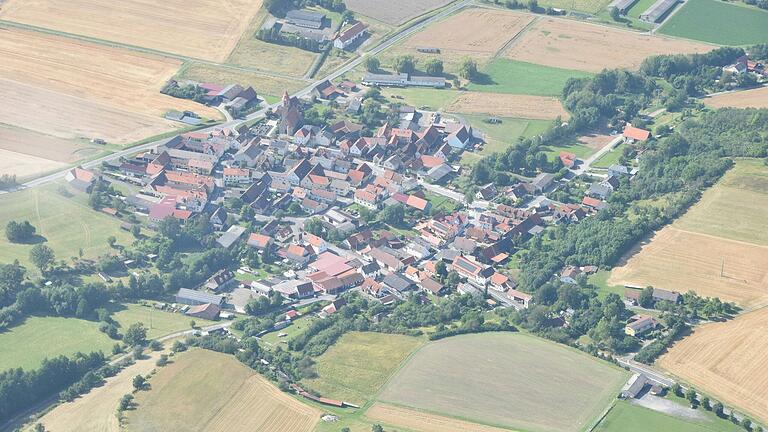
x=706 y=403
x=441 y=269
x=434 y=67
x=111 y=241
x=377 y=428
x=179 y=346
x=192 y=324
x=677 y=390
x=718 y=409
x=393 y=215
x=452 y=280
x=690 y=394
x=615 y=13
x=746 y=424
x=18 y=232
x=533 y=5
x=136 y=335
x=468 y=69
x=404 y=64
x=162 y=361
x=372 y=64
x=139 y=382
x=42 y=257
x=126 y=402
x=646 y=298
x=136 y=231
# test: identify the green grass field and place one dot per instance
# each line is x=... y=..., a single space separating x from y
x=735 y=208
x=480 y=377
x=591 y=6
x=26 y=345
x=600 y=280
x=433 y=99
x=356 y=367
x=273 y=339
x=439 y=202
x=68 y=224
x=625 y=417
x=503 y=134
x=158 y=323
x=516 y=77
x=718 y=22
x=609 y=158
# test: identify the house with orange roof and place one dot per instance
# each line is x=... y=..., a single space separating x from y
x=633 y=134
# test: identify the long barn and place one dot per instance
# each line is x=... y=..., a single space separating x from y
x=658 y=10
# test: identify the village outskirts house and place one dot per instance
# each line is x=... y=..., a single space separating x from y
x=350 y=36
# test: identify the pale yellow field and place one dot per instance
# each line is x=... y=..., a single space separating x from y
x=25 y=166
x=680 y=260
x=755 y=98
x=48 y=147
x=423 y=422
x=70 y=89
x=575 y=45
x=206 y=29
x=727 y=360
x=508 y=105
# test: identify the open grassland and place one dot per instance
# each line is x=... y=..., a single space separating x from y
x=355 y=368
x=475 y=33
x=506 y=380
x=207 y=391
x=590 y=6
x=588 y=47
x=263 y=84
x=67 y=224
x=626 y=417
x=727 y=360
x=422 y=421
x=394 y=12
x=735 y=208
x=37 y=338
x=72 y=89
x=718 y=22
x=754 y=98
x=501 y=135
x=206 y=29
x=680 y=260
x=432 y=99
x=509 y=105
x=95 y=410
x=157 y=322
x=516 y=77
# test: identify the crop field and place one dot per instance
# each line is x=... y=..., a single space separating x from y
x=703 y=20
x=27 y=344
x=394 y=12
x=422 y=421
x=727 y=360
x=754 y=98
x=509 y=105
x=355 y=368
x=718 y=248
x=67 y=224
x=626 y=417
x=477 y=378
x=71 y=89
x=208 y=391
x=206 y=29
x=588 y=47
x=517 y=77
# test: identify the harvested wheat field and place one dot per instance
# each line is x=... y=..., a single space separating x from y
x=755 y=98
x=43 y=146
x=423 y=422
x=509 y=105
x=682 y=260
x=73 y=89
x=208 y=391
x=206 y=29
x=394 y=12
x=587 y=47
x=25 y=166
x=727 y=360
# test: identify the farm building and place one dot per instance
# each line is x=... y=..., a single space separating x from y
x=403 y=80
x=658 y=10
x=196 y=298
x=304 y=18
x=622 y=5
x=208 y=311
x=634 y=386
x=349 y=36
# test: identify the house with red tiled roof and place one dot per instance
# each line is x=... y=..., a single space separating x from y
x=632 y=134
x=260 y=241
x=81 y=179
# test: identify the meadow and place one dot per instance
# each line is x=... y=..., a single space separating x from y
x=207 y=391
x=432 y=99
x=358 y=365
x=626 y=417
x=394 y=12
x=477 y=378
x=718 y=22
x=517 y=77
x=499 y=136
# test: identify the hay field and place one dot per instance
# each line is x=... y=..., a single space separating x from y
x=208 y=391
x=394 y=12
x=754 y=98
x=509 y=105
x=69 y=89
x=358 y=365
x=587 y=47
x=423 y=422
x=727 y=360
x=506 y=380
x=206 y=29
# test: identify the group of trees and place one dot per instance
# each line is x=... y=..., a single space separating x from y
x=280 y=7
x=187 y=91
x=7 y=180
x=20 y=232
x=275 y=35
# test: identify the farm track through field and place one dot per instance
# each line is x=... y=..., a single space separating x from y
x=515 y=38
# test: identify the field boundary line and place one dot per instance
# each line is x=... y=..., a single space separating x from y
x=515 y=38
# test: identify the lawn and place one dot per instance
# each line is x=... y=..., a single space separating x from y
x=67 y=224
x=625 y=417
x=26 y=345
x=158 y=323
x=441 y=203
x=516 y=77
x=273 y=339
x=203 y=390
x=719 y=22
x=479 y=377
x=509 y=131
x=432 y=99
x=609 y=158
x=358 y=365
x=600 y=280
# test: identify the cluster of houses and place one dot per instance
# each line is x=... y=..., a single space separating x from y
x=233 y=97
x=744 y=65
x=316 y=26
